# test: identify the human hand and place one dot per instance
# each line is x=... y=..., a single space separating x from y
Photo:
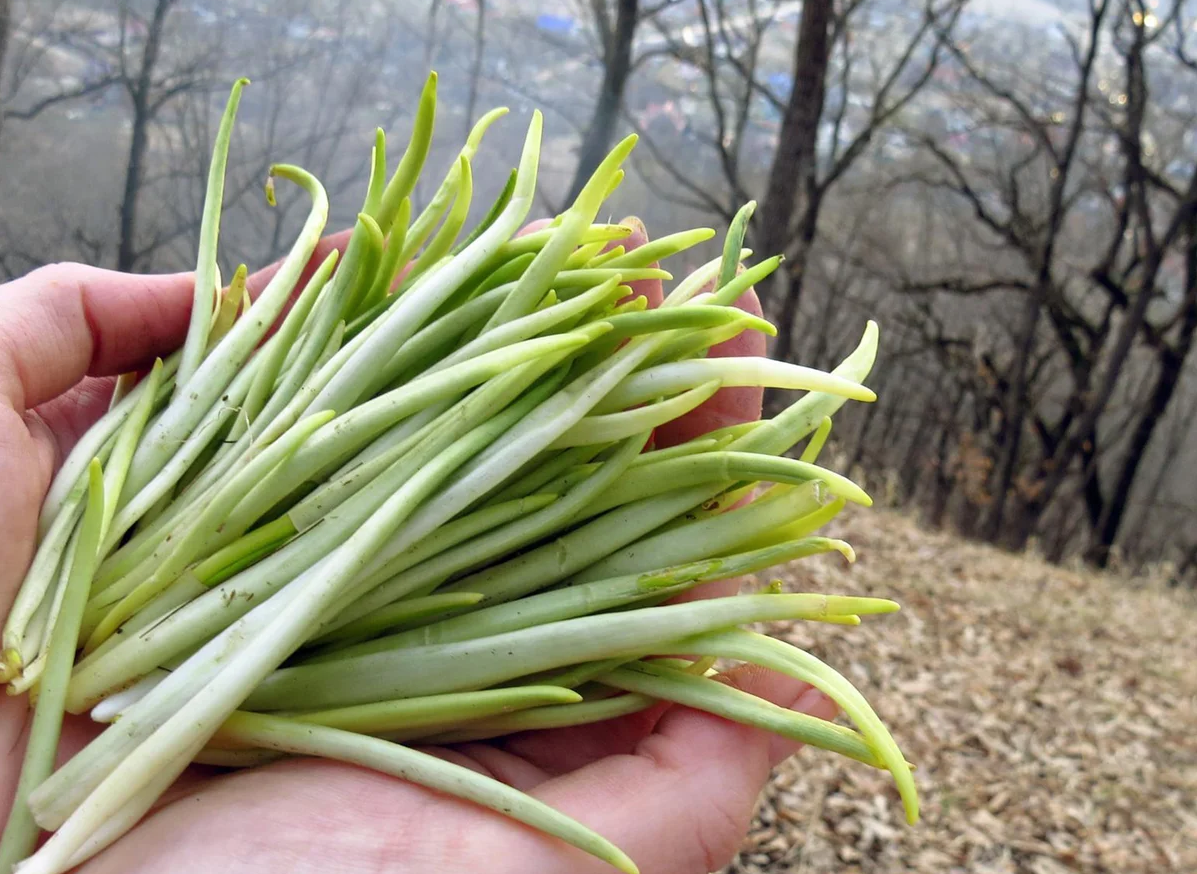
x=673 y=787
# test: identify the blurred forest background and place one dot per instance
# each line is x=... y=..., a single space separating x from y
x=1008 y=186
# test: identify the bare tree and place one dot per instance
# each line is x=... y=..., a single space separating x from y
x=616 y=28
x=155 y=118
x=148 y=93
x=27 y=35
x=817 y=142
x=1080 y=220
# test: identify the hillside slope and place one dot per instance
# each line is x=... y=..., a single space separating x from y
x=1052 y=716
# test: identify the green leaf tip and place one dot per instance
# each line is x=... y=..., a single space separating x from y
x=10 y=665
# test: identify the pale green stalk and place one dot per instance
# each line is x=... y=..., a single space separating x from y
x=376 y=298
x=659 y=249
x=264 y=384
x=159 y=486
x=493 y=213
x=722 y=465
x=543 y=469
x=206 y=282
x=422 y=299
x=378 y=173
x=480 y=663
x=702 y=693
x=403 y=183
x=811 y=453
x=629 y=324
x=555 y=716
x=775 y=655
x=426 y=770
x=582 y=256
x=203 y=617
x=694 y=283
x=698 y=540
x=435 y=712
x=736 y=231
x=126 y=443
x=191 y=542
x=72 y=476
x=390 y=561
x=20 y=833
x=537 y=278
x=537 y=322
x=162 y=438
x=455 y=220
x=616 y=426
x=695 y=344
x=664 y=380
x=594 y=597
x=376 y=590
x=410 y=612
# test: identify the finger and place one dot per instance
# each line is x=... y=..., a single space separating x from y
x=534 y=226
x=652 y=289
x=62 y=322
x=494 y=762
x=65 y=321
x=562 y=750
x=16 y=719
x=68 y=416
x=728 y=406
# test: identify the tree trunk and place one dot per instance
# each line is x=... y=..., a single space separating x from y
x=1014 y=416
x=5 y=31
x=789 y=286
x=942 y=492
x=1092 y=493
x=476 y=66
x=794 y=170
x=1096 y=398
x=432 y=36
x=5 y=25
x=1172 y=361
x=617 y=66
x=126 y=255
x=913 y=465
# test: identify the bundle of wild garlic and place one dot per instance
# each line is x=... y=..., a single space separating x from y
x=424 y=507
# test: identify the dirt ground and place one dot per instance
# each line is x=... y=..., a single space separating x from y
x=1052 y=715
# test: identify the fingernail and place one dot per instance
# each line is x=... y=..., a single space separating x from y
x=636 y=225
x=814 y=703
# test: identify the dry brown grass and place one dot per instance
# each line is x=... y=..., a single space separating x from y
x=1052 y=716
